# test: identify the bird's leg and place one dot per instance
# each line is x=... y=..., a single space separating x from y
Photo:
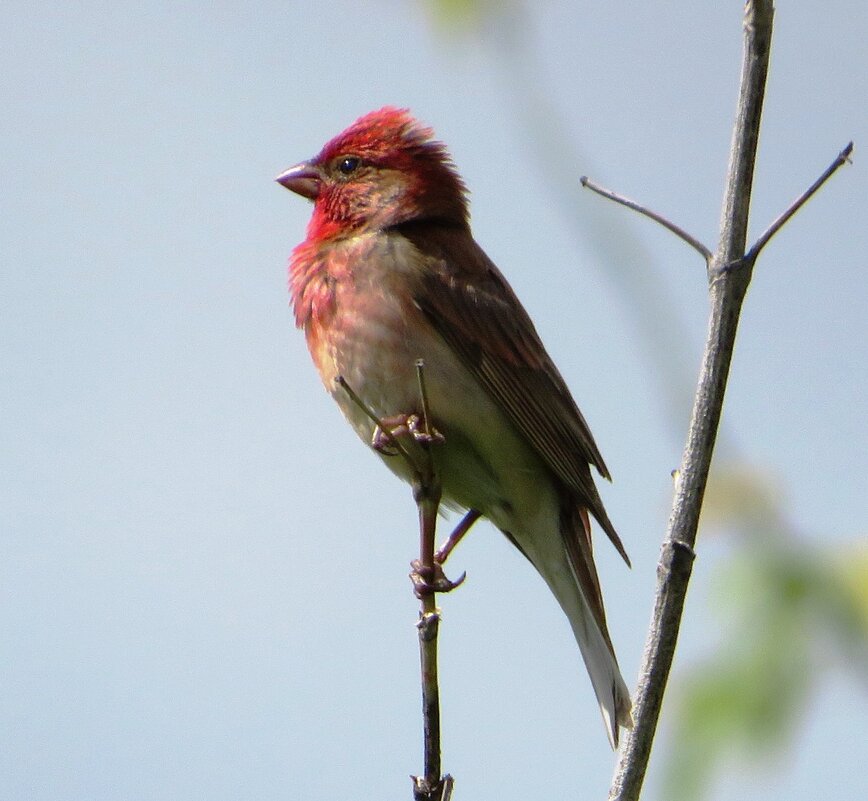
x=400 y=425
x=427 y=580
x=442 y=553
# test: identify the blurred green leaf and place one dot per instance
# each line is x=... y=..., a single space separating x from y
x=465 y=14
x=853 y=572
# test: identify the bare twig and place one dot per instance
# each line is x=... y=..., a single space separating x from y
x=423 y=396
x=632 y=204
x=426 y=492
x=387 y=433
x=727 y=288
x=842 y=159
x=729 y=273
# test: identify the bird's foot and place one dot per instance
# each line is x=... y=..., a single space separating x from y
x=402 y=425
x=424 y=435
x=428 y=580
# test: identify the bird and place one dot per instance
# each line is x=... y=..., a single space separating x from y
x=389 y=275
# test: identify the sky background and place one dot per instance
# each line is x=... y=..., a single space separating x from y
x=203 y=573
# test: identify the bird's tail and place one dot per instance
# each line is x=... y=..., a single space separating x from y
x=565 y=561
x=582 y=601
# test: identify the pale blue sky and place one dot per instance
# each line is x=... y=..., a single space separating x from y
x=203 y=573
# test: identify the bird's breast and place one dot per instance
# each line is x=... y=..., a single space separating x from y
x=373 y=336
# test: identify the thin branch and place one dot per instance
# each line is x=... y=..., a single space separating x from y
x=727 y=288
x=430 y=786
x=426 y=492
x=423 y=396
x=632 y=204
x=842 y=159
x=387 y=433
x=729 y=273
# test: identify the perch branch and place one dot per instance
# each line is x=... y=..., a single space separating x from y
x=426 y=492
x=387 y=432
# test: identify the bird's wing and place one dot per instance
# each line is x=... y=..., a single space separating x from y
x=471 y=305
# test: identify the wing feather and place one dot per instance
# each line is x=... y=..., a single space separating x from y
x=476 y=311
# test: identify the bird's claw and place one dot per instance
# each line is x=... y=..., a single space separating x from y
x=429 y=436
x=400 y=425
x=428 y=580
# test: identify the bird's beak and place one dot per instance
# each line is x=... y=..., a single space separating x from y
x=304 y=179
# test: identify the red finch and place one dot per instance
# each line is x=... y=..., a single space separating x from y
x=390 y=273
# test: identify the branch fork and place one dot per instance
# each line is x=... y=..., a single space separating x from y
x=729 y=272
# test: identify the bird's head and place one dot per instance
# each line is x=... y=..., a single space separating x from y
x=385 y=169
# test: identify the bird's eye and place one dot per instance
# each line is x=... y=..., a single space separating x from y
x=348 y=164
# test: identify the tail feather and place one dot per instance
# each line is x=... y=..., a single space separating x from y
x=612 y=694
x=562 y=555
x=583 y=604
